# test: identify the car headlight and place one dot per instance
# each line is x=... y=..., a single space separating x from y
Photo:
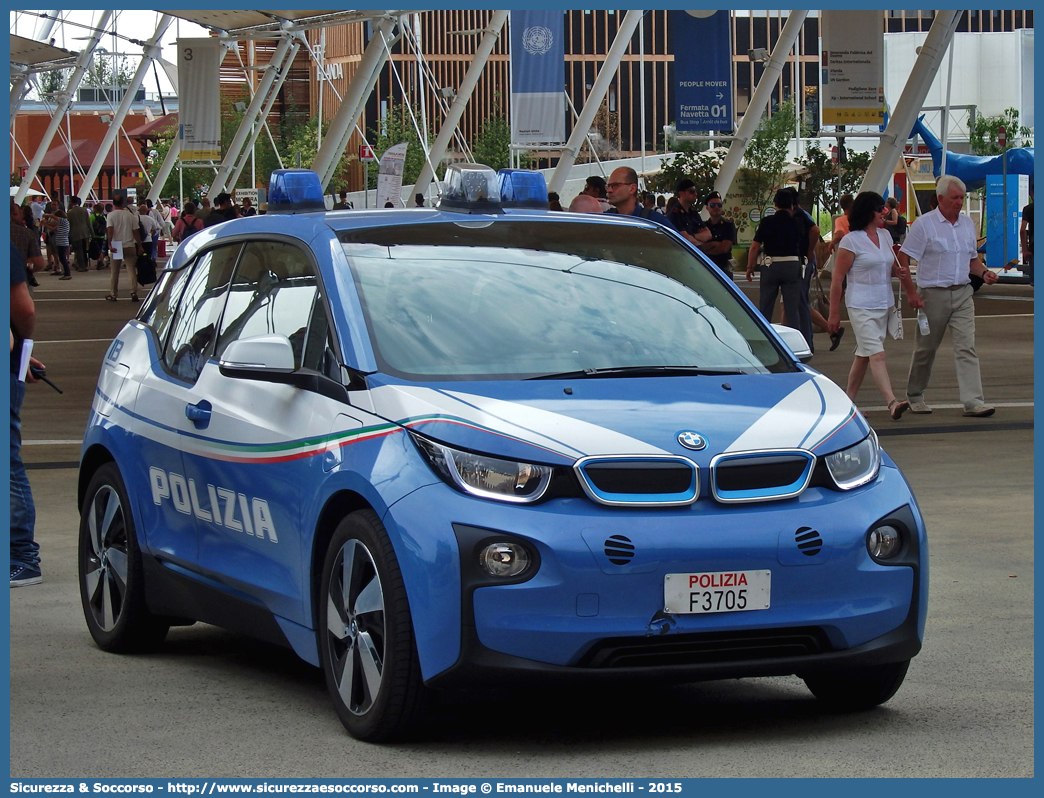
x=484 y=476
x=857 y=465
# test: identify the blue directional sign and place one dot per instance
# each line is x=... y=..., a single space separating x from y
x=702 y=71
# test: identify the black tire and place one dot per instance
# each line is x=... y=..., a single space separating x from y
x=112 y=589
x=858 y=689
x=366 y=643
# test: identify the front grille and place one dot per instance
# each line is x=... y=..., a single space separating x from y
x=639 y=481
x=705 y=648
x=760 y=477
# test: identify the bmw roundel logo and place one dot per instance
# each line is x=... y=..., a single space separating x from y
x=692 y=440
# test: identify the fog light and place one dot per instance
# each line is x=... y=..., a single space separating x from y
x=504 y=559
x=884 y=542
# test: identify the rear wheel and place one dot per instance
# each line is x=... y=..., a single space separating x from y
x=859 y=688
x=366 y=642
x=112 y=589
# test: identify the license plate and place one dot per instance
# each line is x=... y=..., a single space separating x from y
x=720 y=591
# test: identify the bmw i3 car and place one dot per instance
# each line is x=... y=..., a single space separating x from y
x=485 y=444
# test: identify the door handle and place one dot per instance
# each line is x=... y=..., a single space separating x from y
x=199 y=414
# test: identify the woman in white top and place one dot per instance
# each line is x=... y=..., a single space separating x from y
x=865 y=257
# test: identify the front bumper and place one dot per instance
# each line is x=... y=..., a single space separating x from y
x=582 y=616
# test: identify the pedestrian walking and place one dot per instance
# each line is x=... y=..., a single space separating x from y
x=124 y=246
x=865 y=257
x=943 y=243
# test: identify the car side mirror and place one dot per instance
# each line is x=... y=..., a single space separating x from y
x=795 y=341
x=262 y=357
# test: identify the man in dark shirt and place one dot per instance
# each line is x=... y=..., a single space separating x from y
x=622 y=192
x=810 y=233
x=223 y=210
x=783 y=244
x=685 y=215
x=722 y=233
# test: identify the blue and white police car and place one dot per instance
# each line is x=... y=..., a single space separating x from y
x=486 y=444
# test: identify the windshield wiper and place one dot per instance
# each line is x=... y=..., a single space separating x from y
x=637 y=371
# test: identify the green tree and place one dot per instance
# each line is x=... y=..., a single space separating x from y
x=701 y=167
x=396 y=128
x=822 y=176
x=766 y=155
x=492 y=145
x=54 y=80
x=983 y=136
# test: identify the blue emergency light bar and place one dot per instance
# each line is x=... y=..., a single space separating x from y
x=522 y=188
x=295 y=191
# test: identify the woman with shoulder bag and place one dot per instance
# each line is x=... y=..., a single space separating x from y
x=866 y=259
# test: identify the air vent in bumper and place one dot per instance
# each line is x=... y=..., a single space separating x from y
x=619 y=549
x=705 y=648
x=760 y=476
x=639 y=481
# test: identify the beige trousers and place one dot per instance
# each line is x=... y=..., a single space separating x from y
x=130 y=257
x=953 y=308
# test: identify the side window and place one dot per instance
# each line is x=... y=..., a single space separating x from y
x=273 y=291
x=192 y=334
x=158 y=311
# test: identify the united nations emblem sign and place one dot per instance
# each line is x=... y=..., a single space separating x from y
x=537 y=40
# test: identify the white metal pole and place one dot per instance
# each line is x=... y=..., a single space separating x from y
x=275 y=67
x=946 y=108
x=456 y=109
x=64 y=101
x=594 y=100
x=641 y=80
x=150 y=51
x=917 y=85
x=758 y=103
x=362 y=84
x=155 y=192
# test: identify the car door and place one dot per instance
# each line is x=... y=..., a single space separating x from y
x=185 y=303
x=261 y=457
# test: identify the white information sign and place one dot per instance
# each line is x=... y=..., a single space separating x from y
x=853 y=68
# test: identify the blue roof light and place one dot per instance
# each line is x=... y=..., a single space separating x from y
x=471 y=187
x=295 y=191
x=522 y=188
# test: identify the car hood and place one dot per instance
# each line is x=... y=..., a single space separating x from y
x=561 y=421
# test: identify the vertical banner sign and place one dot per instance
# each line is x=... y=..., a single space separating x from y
x=537 y=77
x=853 y=67
x=199 y=99
x=702 y=71
x=389 y=176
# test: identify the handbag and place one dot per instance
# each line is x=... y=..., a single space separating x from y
x=145 y=269
x=819 y=298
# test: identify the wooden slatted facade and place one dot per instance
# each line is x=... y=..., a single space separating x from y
x=447 y=39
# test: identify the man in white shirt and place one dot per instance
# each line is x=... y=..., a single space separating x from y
x=151 y=229
x=124 y=243
x=943 y=244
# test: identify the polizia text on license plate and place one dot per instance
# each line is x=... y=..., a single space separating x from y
x=720 y=591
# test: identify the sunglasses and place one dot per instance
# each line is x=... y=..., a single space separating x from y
x=614 y=186
x=713 y=204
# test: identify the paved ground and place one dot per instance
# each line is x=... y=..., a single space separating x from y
x=214 y=704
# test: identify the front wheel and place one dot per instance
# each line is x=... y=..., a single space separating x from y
x=112 y=587
x=860 y=688
x=366 y=643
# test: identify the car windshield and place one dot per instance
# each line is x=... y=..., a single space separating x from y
x=516 y=299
